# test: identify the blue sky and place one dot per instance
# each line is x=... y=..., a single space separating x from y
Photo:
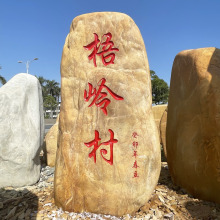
x=38 y=28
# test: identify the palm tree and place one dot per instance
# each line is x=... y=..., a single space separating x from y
x=42 y=82
x=50 y=104
x=50 y=93
x=2 y=79
x=53 y=88
x=57 y=93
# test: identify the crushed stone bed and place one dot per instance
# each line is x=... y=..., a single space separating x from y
x=167 y=202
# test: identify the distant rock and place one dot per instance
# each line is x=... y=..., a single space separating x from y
x=162 y=128
x=158 y=111
x=193 y=123
x=108 y=156
x=21 y=129
x=51 y=143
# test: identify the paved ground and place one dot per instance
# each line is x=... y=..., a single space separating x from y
x=47 y=127
x=48 y=123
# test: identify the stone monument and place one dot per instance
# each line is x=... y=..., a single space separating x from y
x=108 y=156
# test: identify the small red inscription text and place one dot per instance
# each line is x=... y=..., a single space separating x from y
x=96 y=145
x=106 y=46
x=135 y=145
x=134 y=135
x=135 y=165
x=135 y=174
x=99 y=96
x=135 y=154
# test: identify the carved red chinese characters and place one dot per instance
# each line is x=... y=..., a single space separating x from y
x=107 y=46
x=135 y=154
x=135 y=145
x=99 y=96
x=134 y=135
x=135 y=164
x=96 y=145
x=135 y=174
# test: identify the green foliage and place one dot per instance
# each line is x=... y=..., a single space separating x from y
x=160 y=89
x=42 y=82
x=50 y=93
x=50 y=102
x=49 y=87
x=52 y=88
x=2 y=80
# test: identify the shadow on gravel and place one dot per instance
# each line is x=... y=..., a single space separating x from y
x=197 y=209
x=163 y=157
x=165 y=178
x=18 y=204
x=203 y=210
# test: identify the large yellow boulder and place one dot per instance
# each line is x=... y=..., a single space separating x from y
x=108 y=158
x=193 y=123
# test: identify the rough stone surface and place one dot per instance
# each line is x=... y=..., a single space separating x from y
x=193 y=123
x=162 y=127
x=21 y=129
x=80 y=183
x=51 y=144
x=158 y=111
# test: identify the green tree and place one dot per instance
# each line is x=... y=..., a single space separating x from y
x=2 y=79
x=42 y=82
x=50 y=93
x=49 y=87
x=160 y=89
x=52 y=88
x=57 y=91
x=50 y=104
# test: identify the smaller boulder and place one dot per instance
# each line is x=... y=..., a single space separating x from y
x=158 y=111
x=22 y=131
x=162 y=127
x=51 y=143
